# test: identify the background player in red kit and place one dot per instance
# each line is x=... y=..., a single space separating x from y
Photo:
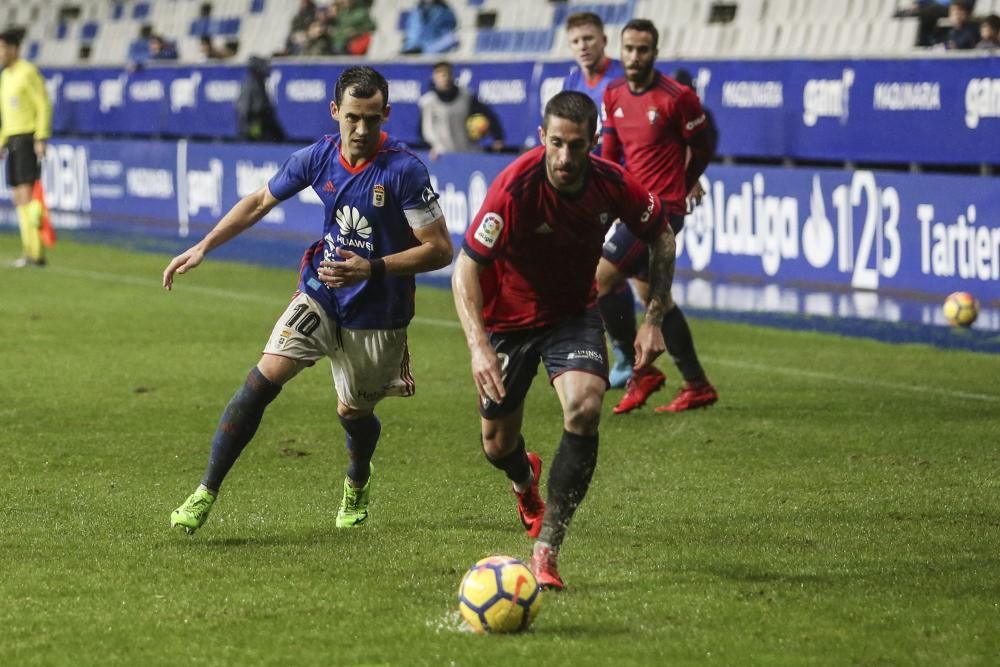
x=524 y=290
x=658 y=125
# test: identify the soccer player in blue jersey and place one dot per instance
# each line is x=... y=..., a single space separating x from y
x=593 y=71
x=382 y=224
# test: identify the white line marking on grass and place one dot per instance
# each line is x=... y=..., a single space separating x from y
x=843 y=379
x=453 y=324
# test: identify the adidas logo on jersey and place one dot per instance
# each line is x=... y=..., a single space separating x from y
x=619 y=113
x=543 y=228
x=329 y=187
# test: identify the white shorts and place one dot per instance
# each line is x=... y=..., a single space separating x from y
x=367 y=364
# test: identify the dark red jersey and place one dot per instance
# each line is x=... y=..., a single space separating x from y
x=653 y=129
x=542 y=246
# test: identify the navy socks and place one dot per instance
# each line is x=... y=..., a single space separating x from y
x=237 y=427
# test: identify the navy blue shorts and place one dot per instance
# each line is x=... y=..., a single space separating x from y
x=576 y=344
x=630 y=254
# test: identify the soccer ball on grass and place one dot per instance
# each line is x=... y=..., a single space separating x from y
x=499 y=594
x=961 y=309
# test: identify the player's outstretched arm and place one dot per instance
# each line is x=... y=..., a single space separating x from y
x=246 y=213
x=649 y=339
x=468 y=295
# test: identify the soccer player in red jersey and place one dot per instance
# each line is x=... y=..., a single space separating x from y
x=525 y=293
x=658 y=126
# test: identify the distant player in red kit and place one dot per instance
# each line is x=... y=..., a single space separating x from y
x=658 y=126
x=525 y=293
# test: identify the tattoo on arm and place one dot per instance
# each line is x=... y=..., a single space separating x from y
x=662 y=255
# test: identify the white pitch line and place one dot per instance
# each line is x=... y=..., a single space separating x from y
x=453 y=324
x=815 y=375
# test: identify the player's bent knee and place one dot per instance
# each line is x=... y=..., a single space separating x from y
x=347 y=412
x=583 y=415
x=278 y=369
x=495 y=446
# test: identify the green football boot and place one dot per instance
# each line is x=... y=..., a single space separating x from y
x=194 y=512
x=354 y=505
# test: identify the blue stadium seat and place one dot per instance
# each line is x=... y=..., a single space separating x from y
x=88 y=31
x=257 y=6
x=118 y=11
x=611 y=13
x=61 y=31
x=200 y=27
x=513 y=41
x=141 y=11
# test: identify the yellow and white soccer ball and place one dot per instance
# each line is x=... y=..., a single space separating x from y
x=477 y=125
x=961 y=309
x=499 y=594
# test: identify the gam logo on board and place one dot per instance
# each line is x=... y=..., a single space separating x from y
x=982 y=100
x=827 y=98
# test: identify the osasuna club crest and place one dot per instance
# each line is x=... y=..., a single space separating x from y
x=378 y=195
x=652 y=114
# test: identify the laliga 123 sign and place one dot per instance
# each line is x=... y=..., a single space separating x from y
x=862 y=229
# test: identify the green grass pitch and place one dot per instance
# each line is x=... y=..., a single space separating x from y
x=839 y=506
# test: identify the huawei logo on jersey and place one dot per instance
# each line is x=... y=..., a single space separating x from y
x=350 y=220
x=352 y=224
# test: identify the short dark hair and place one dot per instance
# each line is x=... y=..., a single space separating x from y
x=443 y=63
x=577 y=19
x=993 y=21
x=361 y=82
x=683 y=77
x=12 y=36
x=572 y=106
x=644 y=25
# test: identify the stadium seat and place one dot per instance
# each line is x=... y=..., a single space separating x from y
x=523 y=28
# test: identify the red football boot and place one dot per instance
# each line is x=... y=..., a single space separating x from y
x=692 y=395
x=638 y=389
x=530 y=506
x=545 y=568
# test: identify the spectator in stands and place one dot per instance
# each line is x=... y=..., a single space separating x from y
x=430 y=28
x=161 y=49
x=930 y=13
x=255 y=114
x=318 y=41
x=297 y=33
x=138 y=50
x=207 y=50
x=964 y=33
x=351 y=26
x=452 y=119
x=989 y=33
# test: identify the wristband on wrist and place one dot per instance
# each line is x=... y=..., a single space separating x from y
x=377 y=266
